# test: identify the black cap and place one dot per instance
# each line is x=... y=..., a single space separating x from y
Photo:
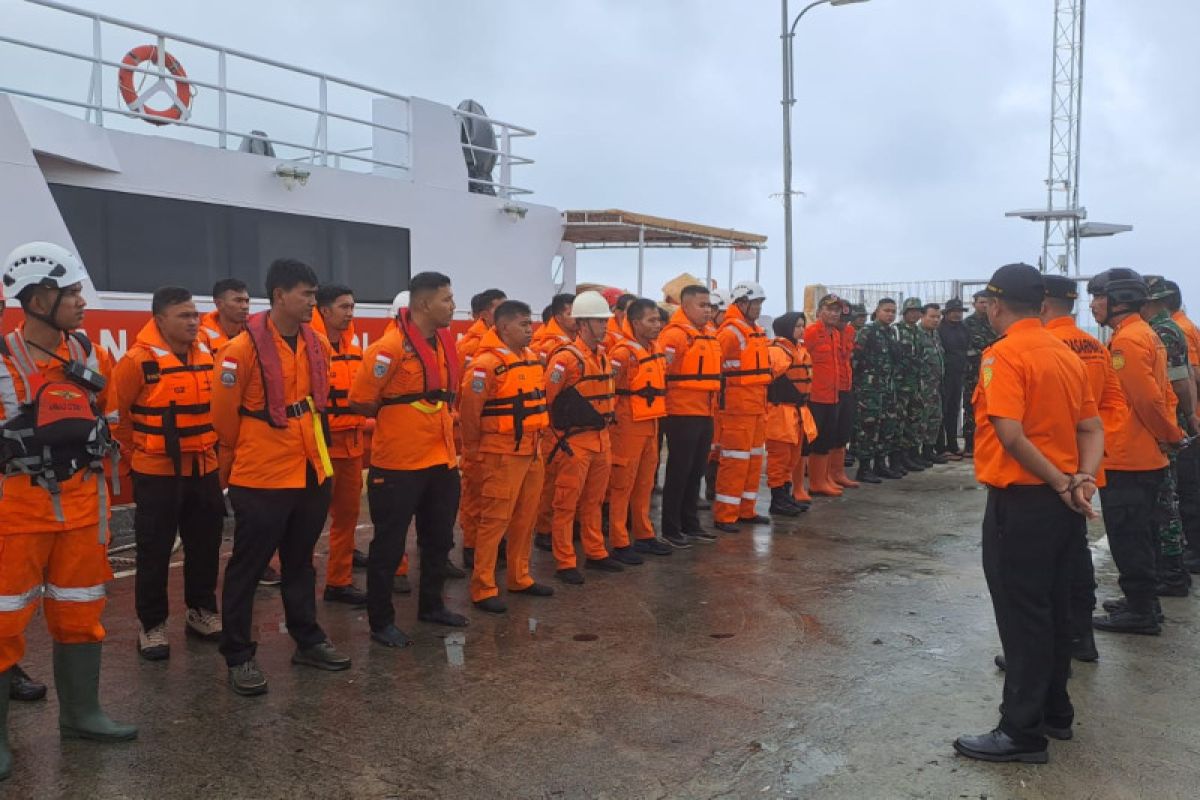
x=980 y=293
x=1018 y=282
x=954 y=304
x=1061 y=287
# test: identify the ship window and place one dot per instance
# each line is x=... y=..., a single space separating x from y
x=136 y=243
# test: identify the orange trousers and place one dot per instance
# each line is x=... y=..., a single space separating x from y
x=70 y=569
x=510 y=487
x=469 y=504
x=631 y=484
x=740 y=469
x=580 y=481
x=782 y=460
x=343 y=520
x=545 y=508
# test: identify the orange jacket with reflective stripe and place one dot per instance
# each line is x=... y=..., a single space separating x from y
x=263 y=456
x=693 y=367
x=470 y=341
x=1140 y=361
x=165 y=405
x=745 y=365
x=547 y=339
x=502 y=405
x=641 y=384
x=212 y=332
x=790 y=363
x=347 y=430
x=825 y=344
x=576 y=365
x=408 y=435
x=26 y=507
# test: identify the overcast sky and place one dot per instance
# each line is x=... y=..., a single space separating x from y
x=918 y=122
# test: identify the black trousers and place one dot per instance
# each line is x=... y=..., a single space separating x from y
x=952 y=398
x=1188 y=487
x=395 y=498
x=688 y=442
x=847 y=410
x=266 y=520
x=1128 y=504
x=1083 y=585
x=828 y=429
x=1028 y=538
x=194 y=507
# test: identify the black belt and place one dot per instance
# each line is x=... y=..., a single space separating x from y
x=158 y=411
x=297 y=409
x=432 y=397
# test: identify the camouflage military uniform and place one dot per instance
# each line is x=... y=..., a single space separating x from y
x=909 y=401
x=1166 y=515
x=933 y=366
x=981 y=337
x=876 y=421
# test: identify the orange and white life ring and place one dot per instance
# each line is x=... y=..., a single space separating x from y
x=180 y=96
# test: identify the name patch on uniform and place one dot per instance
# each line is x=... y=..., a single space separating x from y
x=382 y=362
x=556 y=374
x=229 y=372
x=477 y=381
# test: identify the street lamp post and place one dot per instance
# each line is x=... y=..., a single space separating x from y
x=787 y=35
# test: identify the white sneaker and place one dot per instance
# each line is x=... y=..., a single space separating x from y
x=153 y=644
x=203 y=623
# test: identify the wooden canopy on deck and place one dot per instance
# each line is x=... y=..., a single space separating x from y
x=616 y=228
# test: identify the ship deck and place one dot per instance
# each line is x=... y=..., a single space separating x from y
x=837 y=656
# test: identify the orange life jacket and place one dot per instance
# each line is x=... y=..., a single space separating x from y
x=595 y=385
x=174 y=415
x=752 y=367
x=519 y=404
x=699 y=366
x=344 y=363
x=794 y=386
x=645 y=396
x=276 y=411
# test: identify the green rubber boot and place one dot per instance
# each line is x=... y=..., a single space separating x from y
x=5 y=753
x=77 y=679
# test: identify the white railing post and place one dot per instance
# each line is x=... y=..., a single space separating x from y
x=641 y=245
x=506 y=164
x=708 y=270
x=323 y=123
x=222 y=109
x=757 y=264
x=97 y=93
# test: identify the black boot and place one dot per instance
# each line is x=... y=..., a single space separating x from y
x=797 y=504
x=848 y=460
x=23 y=687
x=896 y=462
x=918 y=457
x=911 y=463
x=780 y=505
x=933 y=456
x=884 y=471
x=865 y=474
x=1083 y=647
x=1174 y=580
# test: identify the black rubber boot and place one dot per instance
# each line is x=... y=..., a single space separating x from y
x=911 y=463
x=896 y=462
x=1174 y=580
x=5 y=753
x=799 y=505
x=77 y=680
x=780 y=505
x=1083 y=647
x=865 y=474
x=884 y=471
x=933 y=456
x=918 y=457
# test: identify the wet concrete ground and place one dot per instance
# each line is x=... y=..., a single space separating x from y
x=835 y=657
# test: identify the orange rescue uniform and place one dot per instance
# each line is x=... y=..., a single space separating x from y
x=546 y=340
x=503 y=412
x=584 y=459
x=65 y=560
x=468 y=504
x=640 y=380
x=347 y=442
x=746 y=368
x=212 y=332
x=1140 y=360
x=786 y=420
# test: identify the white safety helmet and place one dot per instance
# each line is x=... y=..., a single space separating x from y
x=718 y=299
x=399 y=302
x=747 y=290
x=41 y=264
x=590 y=305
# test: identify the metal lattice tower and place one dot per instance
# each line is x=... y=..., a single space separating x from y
x=1060 y=246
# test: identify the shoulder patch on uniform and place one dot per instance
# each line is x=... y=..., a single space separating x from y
x=229 y=372
x=382 y=362
x=1118 y=360
x=986 y=372
x=478 y=380
x=556 y=374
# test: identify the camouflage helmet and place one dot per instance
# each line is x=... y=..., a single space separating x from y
x=1160 y=288
x=912 y=304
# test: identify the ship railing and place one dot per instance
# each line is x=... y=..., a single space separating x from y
x=318 y=151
